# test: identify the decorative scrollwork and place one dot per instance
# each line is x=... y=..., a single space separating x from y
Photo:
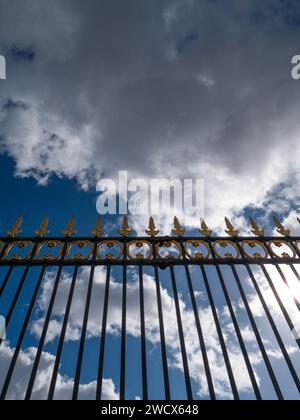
x=49 y=245
x=252 y=244
x=21 y=245
x=141 y=250
x=2 y=244
x=279 y=243
x=110 y=245
x=78 y=256
x=225 y=244
x=164 y=248
x=196 y=244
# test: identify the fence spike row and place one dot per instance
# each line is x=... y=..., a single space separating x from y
x=152 y=231
x=178 y=230
x=125 y=229
x=43 y=231
x=205 y=231
x=280 y=228
x=98 y=232
x=256 y=230
x=70 y=231
x=16 y=229
x=231 y=231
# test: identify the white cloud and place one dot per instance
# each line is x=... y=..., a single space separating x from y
x=104 y=93
x=64 y=385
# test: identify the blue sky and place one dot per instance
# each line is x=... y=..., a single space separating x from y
x=172 y=89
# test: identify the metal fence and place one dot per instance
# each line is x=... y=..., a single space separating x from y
x=163 y=255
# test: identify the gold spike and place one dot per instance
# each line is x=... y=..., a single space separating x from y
x=125 y=229
x=204 y=229
x=256 y=230
x=43 y=230
x=98 y=231
x=16 y=229
x=70 y=231
x=152 y=231
x=178 y=230
x=231 y=231
x=280 y=228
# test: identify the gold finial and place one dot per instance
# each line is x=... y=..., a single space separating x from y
x=256 y=230
x=152 y=231
x=70 y=231
x=280 y=228
x=16 y=229
x=43 y=230
x=98 y=231
x=178 y=230
x=204 y=229
x=231 y=231
x=125 y=229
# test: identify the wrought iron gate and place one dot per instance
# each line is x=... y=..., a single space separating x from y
x=270 y=266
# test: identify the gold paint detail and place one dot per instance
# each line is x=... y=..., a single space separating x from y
x=168 y=244
x=20 y=245
x=280 y=228
x=152 y=231
x=231 y=231
x=110 y=245
x=205 y=231
x=98 y=232
x=252 y=244
x=42 y=232
x=51 y=245
x=256 y=230
x=178 y=230
x=198 y=255
x=70 y=231
x=125 y=229
x=140 y=256
x=279 y=243
x=79 y=256
x=224 y=244
x=16 y=228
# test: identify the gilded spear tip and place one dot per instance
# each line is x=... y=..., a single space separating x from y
x=125 y=229
x=280 y=228
x=70 y=231
x=205 y=231
x=256 y=230
x=178 y=230
x=16 y=228
x=152 y=231
x=231 y=231
x=42 y=232
x=98 y=231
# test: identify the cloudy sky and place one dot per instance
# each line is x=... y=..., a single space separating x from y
x=160 y=88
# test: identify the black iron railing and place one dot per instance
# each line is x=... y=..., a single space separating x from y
x=162 y=255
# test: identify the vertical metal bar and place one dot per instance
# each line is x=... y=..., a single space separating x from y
x=45 y=328
x=239 y=336
x=19 y=289
x=278 y=299
x=220 y=335
x=22 y=335
x=296 y=301
x=162 y=336
x=143 y=335
x=181 y=337
x=274 y=328
x=62 y=335
x=103 y=336
x=257 y=335
x=123 y=337
x=200 y=335
x=83 y=333
x=5 y=281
